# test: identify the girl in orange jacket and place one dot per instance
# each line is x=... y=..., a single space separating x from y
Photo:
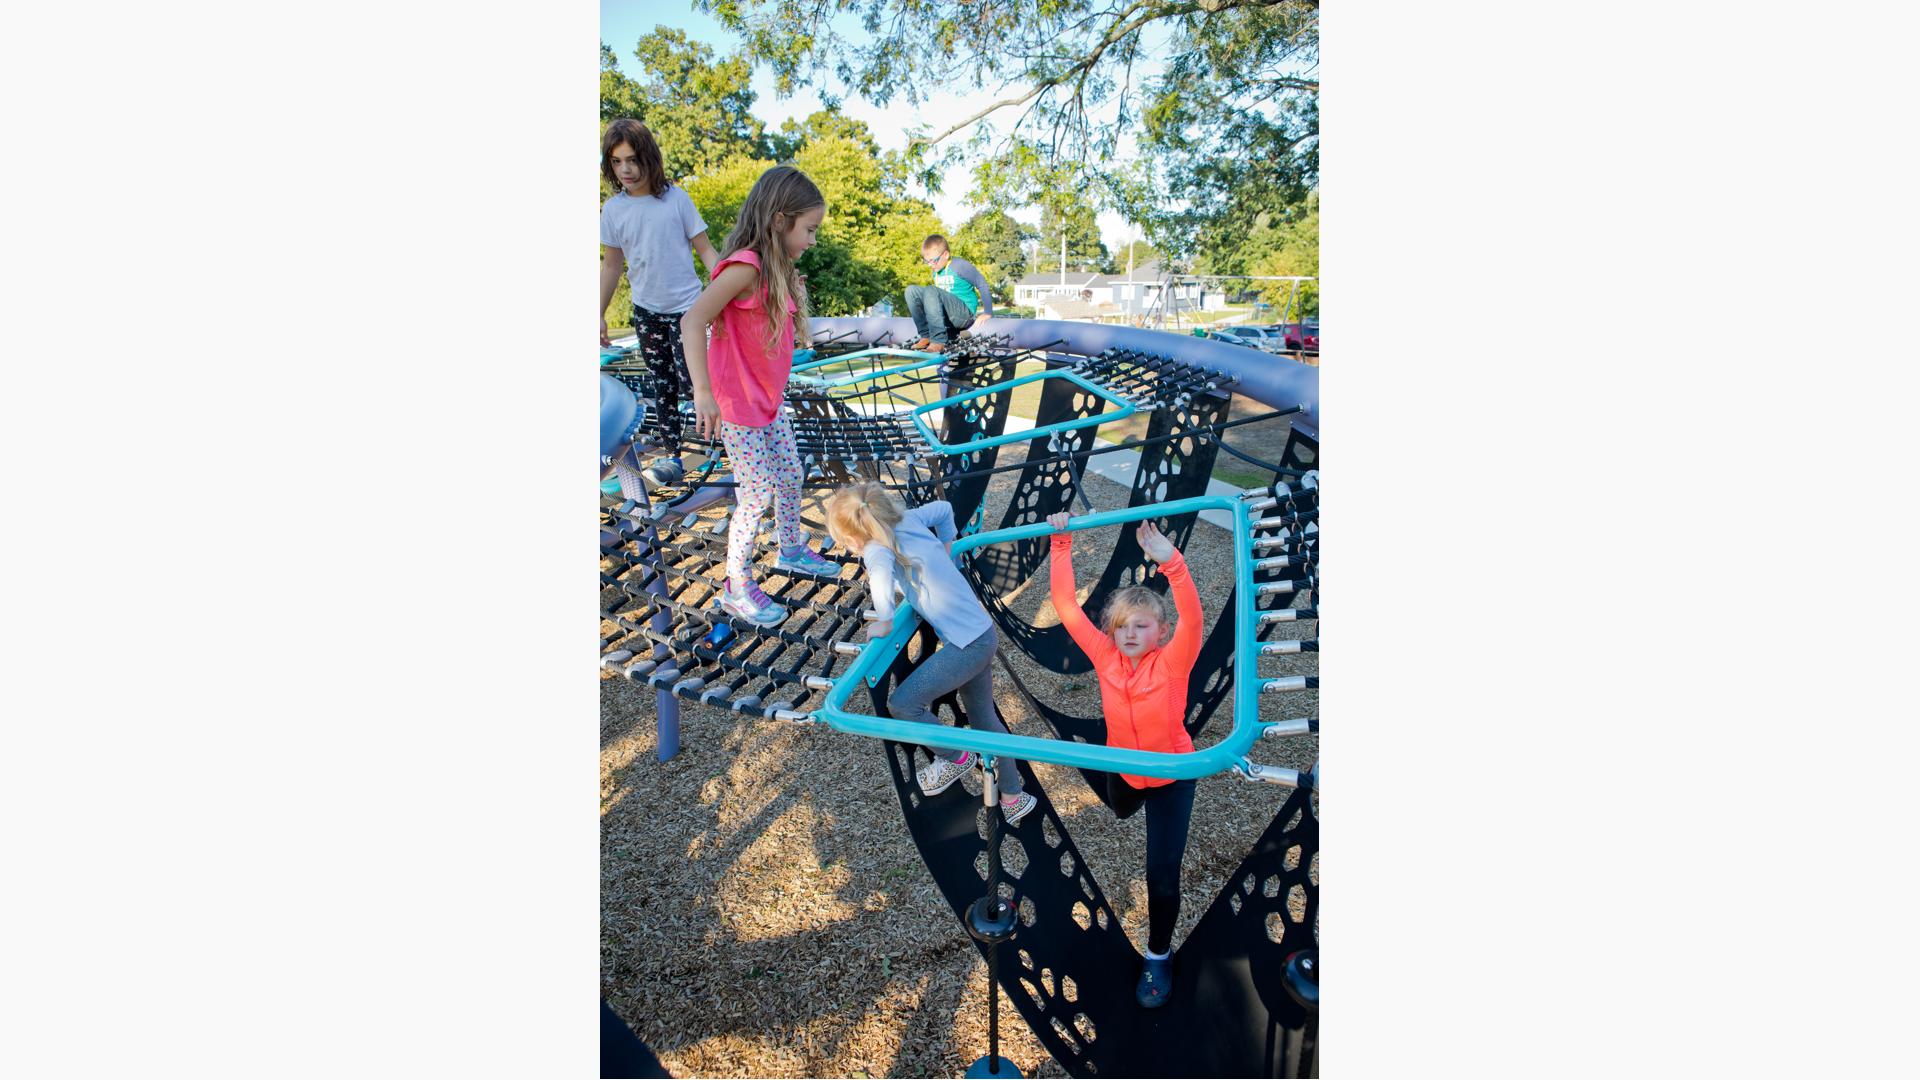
x=1143 y=658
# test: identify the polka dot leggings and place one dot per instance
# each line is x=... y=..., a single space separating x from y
x=766 y=468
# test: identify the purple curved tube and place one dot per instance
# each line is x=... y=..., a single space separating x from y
x=1271 y=380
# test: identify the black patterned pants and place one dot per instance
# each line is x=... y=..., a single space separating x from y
x=659 y=343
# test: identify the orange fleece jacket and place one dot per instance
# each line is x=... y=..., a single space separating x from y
x=1145 y=701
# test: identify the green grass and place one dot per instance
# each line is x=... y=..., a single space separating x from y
x=1242 y=476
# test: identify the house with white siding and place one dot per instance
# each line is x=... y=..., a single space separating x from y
x=1088 y=297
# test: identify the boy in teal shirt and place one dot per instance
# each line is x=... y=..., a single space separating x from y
x=957 y=299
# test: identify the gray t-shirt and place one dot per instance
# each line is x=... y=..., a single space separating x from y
x=653 y=232
x=944 y=599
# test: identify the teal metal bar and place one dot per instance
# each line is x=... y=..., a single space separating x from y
x=1229 y=753
x=922 y=359
x=1127 y=408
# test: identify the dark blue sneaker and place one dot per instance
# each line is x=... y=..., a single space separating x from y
x=1156 y=983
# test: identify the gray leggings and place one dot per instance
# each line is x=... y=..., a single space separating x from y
x=970 y=670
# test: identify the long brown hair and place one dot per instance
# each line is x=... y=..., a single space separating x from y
x=782 y=194
x=653 y=172
x=863 y=513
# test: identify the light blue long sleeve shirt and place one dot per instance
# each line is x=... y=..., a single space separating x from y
x=944 y=599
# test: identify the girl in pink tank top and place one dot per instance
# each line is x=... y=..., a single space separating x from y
x=756 y=305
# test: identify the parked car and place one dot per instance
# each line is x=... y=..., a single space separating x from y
x=1256 y=336
x=1303 y=336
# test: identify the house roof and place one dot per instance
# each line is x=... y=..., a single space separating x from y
x=1076 y=279
x=1145 y=273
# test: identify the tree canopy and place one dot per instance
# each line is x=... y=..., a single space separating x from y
x=698 y=107
x=1226 y=130
x=997 y=244
x=1075 y=220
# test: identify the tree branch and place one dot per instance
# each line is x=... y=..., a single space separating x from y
x=1084 y=65
x=1079 y=71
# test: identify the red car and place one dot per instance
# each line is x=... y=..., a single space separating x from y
x=1300 y=336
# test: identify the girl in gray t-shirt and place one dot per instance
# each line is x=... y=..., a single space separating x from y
x=913 y=549
x=646 y=230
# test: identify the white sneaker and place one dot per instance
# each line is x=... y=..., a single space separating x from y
x=940 y=774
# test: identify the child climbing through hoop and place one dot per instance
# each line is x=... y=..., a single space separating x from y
x=917 y=546
x=645 y=229
x=1143 y=658
x=757 y=306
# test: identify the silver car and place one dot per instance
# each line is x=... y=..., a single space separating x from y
x=1257 y=336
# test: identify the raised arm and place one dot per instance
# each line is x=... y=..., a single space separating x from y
x=1185 y=646
x=1061 y=588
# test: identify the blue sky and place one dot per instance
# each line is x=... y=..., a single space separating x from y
x=622 y=22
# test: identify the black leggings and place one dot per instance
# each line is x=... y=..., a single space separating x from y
x=1169 y=811
x=659 y=342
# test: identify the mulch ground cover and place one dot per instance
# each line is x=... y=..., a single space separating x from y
x=765 y=913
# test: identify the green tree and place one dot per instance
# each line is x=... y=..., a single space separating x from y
x=698 y=107
x=619 y=95
x=1290 y=248
x=997 y=244
x=825 y=124
x=1085 y=250
x=881 y=230
x=1141 y=251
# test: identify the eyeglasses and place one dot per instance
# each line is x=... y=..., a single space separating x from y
x=934 y=259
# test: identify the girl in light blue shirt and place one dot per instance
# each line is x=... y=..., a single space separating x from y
x=913 y=551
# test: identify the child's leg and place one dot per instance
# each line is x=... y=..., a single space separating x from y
x=752 y=462
x=1122 y=796
x=945 y=671
x=953 y=316
x=917 y=308
x=1169 y=811
x=659 y=339
x=976 y=700
x=787 y=473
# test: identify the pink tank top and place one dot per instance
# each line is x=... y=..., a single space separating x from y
x=749 y=377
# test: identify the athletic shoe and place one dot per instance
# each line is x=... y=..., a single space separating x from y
x=921 y=345
x=1156 y=983
x=807 y=561
x=1015 y=807
x=940 y=775
x=664 y=472
x=752 y=605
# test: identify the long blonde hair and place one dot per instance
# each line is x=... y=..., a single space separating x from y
x=782 y=194
x=864 y=513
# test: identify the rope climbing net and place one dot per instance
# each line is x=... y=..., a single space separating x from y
x=933 y=427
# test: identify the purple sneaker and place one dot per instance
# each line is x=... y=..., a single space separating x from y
x=752 y=605
x=804 y=560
